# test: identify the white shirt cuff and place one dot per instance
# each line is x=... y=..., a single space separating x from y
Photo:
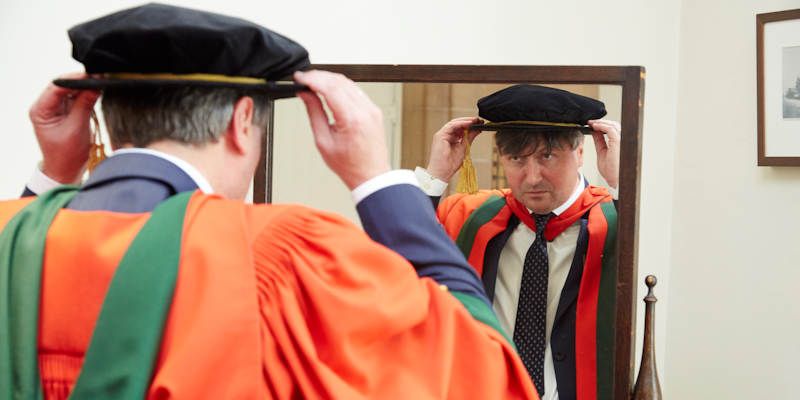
x=391 y=178
x=431 y=185
x=41 y=183
x=614 y=193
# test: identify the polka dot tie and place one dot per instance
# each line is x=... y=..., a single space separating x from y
x=530 y=325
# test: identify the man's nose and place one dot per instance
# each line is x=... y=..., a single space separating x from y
x=533 y=173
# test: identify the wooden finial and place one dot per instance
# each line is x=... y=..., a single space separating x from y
x=651 y=282
x=647 y=384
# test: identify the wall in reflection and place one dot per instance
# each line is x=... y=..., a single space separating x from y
x=299 y=173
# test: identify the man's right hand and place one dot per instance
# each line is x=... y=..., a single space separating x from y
x=60 y=119
x=448 y=147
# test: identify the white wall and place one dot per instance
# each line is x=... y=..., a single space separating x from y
x=733 y=315
x=35 y=49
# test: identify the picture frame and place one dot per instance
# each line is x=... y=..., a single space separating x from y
x=778 y=75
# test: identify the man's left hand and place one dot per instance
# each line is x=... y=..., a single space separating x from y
x=606 y=137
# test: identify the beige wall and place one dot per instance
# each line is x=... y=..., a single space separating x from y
x=733 y=319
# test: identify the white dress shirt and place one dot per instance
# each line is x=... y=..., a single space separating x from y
x=40 y=183
x=509 y=279
x=509 y=272
x=198 y=178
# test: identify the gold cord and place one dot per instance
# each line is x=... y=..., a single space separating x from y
x=97 y=151
x=187 y=77
x=467 y=182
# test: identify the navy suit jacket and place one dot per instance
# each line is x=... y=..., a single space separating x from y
x=562 y=337
x=397 y=216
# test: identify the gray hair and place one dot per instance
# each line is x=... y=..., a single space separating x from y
x=524 y=142
x=192 y=115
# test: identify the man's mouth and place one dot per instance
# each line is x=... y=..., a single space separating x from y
x=536 y=192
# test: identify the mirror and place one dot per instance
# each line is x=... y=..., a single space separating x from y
x=417 y=100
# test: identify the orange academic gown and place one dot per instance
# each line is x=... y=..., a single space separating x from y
x=276 y=302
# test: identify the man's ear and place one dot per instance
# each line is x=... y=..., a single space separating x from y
x=579 y=154
x=241 y=129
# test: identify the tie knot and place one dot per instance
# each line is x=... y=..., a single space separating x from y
x=541 y=221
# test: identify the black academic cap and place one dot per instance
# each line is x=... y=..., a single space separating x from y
x=532 y=107
x=162 y=45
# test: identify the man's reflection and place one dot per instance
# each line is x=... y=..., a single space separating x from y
x=544 y=247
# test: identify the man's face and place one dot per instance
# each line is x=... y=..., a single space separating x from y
x=543 y=181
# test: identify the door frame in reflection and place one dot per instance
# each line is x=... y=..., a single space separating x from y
x=630 y=78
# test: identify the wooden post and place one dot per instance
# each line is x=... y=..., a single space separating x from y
x=647 y=385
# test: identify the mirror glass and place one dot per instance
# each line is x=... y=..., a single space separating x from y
x=416 y=101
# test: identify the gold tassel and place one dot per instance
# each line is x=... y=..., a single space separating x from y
x=467 y=181
x=97 y=151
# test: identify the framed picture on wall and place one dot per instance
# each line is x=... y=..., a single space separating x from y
x=778 y=73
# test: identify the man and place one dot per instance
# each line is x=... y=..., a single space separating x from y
x=539 y=245
x=149 y=287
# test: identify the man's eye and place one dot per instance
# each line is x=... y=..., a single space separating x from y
x=547 y=156
x=516 y=158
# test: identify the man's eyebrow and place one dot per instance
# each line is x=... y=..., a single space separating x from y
x=522 y=153
x=543 y=149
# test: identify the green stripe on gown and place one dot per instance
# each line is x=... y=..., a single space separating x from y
x=121 y=356
x=606 y=313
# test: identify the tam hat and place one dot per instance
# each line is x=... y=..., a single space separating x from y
x=537 y=108
x=530 y=108
x=162 y=45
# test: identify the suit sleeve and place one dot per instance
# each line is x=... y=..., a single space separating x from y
x=400 y=218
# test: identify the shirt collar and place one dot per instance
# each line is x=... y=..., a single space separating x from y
x=194 y=173
x=579 y=186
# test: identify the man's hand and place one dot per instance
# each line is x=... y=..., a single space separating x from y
x=607 y=149
x=448 y=147
x=60 y=119
x=354 y=146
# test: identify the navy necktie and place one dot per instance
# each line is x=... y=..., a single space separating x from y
x=530 y=324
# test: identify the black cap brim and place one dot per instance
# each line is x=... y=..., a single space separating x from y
x=275 y=90
x=585 y=129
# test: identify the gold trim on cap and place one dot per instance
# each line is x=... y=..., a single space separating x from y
x=186 y=77
x=537 y=123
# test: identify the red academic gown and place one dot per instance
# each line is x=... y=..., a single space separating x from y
x=472 y=220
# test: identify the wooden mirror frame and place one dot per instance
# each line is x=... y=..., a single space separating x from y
x=630 y=78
